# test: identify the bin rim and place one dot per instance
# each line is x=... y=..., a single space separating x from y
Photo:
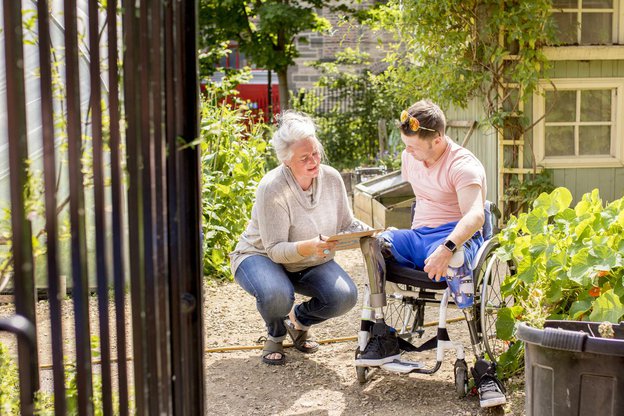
x=577 y=341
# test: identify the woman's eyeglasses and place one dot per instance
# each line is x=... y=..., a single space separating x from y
x=414 y=124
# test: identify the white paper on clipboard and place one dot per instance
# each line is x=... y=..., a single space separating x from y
x=351 y=240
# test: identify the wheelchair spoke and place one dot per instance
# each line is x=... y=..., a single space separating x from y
x=491 y=275
x=400 y=314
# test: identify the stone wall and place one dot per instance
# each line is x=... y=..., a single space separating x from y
x=314 y=46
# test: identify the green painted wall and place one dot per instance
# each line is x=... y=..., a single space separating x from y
x=482 y=142
x=610 y=181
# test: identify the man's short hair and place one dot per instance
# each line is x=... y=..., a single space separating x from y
x=429 y=116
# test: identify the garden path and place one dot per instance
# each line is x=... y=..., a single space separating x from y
x=324 y=383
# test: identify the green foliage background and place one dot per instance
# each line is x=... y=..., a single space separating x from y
x=570 y=265
x=44 y=402
x=9 y=384
x=360 y=99
x=454 y=50
x=234 y=152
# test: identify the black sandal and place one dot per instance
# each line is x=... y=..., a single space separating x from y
x=272 y=347
x=300 y=338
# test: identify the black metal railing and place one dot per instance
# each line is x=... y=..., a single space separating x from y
x=325 y=100
x=132 y=181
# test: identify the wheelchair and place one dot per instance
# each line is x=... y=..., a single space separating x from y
x=407 y=293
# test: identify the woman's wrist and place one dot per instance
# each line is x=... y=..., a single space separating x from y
x=303 y=248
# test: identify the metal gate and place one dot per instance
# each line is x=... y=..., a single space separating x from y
x=116 y=112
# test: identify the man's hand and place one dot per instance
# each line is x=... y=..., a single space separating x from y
x=436 y=265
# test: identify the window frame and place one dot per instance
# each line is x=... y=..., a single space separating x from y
x=616 y=157
x=617 y=35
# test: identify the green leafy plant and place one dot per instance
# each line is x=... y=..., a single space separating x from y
x=44 y=401
x=233 y=162
x=348 y=106
x=570 y=265
x=520 y=194
x=9 y=384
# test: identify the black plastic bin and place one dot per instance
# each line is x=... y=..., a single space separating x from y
x=571 y=371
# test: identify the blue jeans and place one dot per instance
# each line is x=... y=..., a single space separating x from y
x=332 y=292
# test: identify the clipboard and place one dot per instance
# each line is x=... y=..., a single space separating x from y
x=351 y=240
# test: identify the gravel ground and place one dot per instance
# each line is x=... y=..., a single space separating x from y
x=324 y=383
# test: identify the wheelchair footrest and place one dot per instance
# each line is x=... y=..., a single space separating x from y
x=398 y=366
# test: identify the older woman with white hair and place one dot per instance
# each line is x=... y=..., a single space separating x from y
x=283 y=250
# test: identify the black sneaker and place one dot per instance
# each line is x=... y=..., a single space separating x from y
x=491 y=390
x=382 y=348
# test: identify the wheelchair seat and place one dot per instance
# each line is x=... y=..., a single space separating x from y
x=412 y=277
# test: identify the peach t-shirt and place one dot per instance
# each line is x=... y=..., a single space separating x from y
x=436 y=186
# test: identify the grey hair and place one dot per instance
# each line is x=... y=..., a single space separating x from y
x=292 y=128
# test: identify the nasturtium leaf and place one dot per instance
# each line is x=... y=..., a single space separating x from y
x=554 y=292
x=555 y=202
x=539 y=243
x=505 y=324
x=582 y=207
x=607 y=307
x=556 y=262
x=528 y=274
x=521 y=246
x=604 y=256
x=578 y=308
x=583 y=229
x=620 y=218
x=581 y=266
x=536 y=221
x=566 y=216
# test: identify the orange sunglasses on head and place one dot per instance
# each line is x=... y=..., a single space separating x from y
x=414 y=124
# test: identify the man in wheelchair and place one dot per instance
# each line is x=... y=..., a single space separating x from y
x=449 y=183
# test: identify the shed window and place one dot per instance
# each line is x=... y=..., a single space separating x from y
x=581 y=121
x=586 y=22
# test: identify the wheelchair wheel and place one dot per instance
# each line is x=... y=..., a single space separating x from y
x=489 y=276
x=362 y=374
x=461 y=378
x=401 y=314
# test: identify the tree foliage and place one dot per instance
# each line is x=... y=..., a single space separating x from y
x=348 y=105
x=454 y=50
x=265 y=30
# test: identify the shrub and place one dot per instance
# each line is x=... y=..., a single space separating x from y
x=233 y=162
x=348 y=105
x=9 y=384
x=570 y=264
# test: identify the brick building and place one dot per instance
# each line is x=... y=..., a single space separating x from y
x=316 y=46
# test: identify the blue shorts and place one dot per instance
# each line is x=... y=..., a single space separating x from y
x=410 y=248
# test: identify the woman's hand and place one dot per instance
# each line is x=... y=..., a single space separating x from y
x=316 y=246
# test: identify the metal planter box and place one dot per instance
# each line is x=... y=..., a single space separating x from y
x=384 y=201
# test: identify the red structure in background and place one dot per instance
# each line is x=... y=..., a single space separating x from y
x=256 y=91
